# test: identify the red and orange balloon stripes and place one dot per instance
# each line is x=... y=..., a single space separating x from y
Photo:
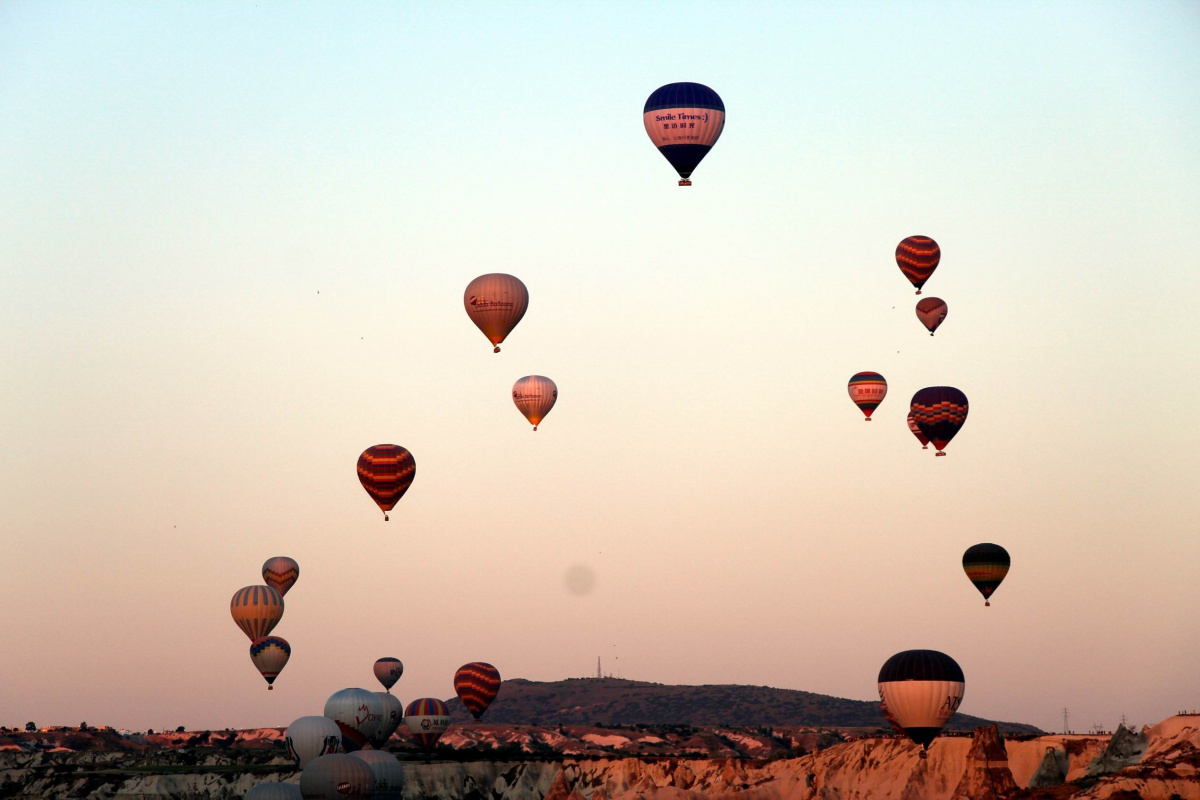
x=940 y=412
x=867 y=390
x=912 y=426
x=280 y=573
x=386 y=471
x=918 y=257
x=256 y=610
x=477 y=684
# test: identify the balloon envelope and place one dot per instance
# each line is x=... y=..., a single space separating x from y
x=427 y=719
x=684 y=121
x=388 y=772
x=495 y=303
x=476 y=685
x=918 y=257
x=337 y=777
x=919 y=690
x=280 y=573
x=986 y=565
x=386 y=471
x=388 y=670
x=270 y=655
x=274 y=791
x=358 y=714
x=534 y=396
x=393 y=717
x=940 y=412
x=931 y=311
x=256 y=610
x=867 y=390
x=312 y=737
x=912 y=426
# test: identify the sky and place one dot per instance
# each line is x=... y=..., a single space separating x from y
x=233 y=244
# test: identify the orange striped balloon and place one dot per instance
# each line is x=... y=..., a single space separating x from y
x=477 y=684
x=386 y=471
x=918 y=257
x=256 y=610
x=534 y=396
x=280 y=573
x=495 y=303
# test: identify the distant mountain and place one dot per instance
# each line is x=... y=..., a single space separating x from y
x=613 y=701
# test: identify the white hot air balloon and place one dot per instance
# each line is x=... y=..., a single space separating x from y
x=274 y=791
x=337 y=777
x=358 y=714
x=495 y=303
x=919 y=690
x=312 y=737
x=534 y=396
x=389 y=773
x=393 y=717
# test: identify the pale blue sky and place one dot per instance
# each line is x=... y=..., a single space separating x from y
x=179 y=402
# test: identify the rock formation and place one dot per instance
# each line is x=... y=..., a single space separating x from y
x=987 y=776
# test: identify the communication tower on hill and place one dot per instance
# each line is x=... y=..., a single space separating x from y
x=598 y=675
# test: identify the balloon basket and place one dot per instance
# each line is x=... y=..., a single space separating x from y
x=940 y=453
x=497 y=350
x=924 y=447
x=535 y=428
x=270 y=688
x=924 y=754
x=987 y=603
x=385 y=517
x=685 y=183
x=868 y=419
x=918 y=291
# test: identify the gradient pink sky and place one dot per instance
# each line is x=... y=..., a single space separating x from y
x=233 y=243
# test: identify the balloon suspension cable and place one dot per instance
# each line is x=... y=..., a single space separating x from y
x=497 y=350
x=685 y=182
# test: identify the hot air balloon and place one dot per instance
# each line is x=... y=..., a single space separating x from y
x=312 y=737
x=912 y=426
x=280 y=573
x=867 y=390
x=393 y=717
x=256 y=610
x=388 y=772
x=495 y=303
x=986 y=565
x=919 y=690
x=337 y=777
x=684 y=121
x=918 y=257
x=270 y=655
x=388 y=670
x=940 y=412
x=358 y=714
x=476 y=685
x=427 y=719
x=534 y=396
x=386 y=471
x=272 y=790
x=931 y=311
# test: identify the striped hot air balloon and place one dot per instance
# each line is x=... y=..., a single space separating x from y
x=280 y=573
x=919 y=690
x=256 y=610
x=867 y=390
x=931 y=311
x=387 y=671
x=427 y=719
x=270 y=655
x=495 y=303
x=684 y=121
x=922 y=438
x=918 y=257
x=477 y=684
x=940 y=412
x=386 y=471
x=986 y=565
x=534 y=396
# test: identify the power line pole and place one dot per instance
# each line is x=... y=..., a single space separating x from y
x=1066 y=727
x=598 y=666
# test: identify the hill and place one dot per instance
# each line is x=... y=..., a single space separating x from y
x=613 y=701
